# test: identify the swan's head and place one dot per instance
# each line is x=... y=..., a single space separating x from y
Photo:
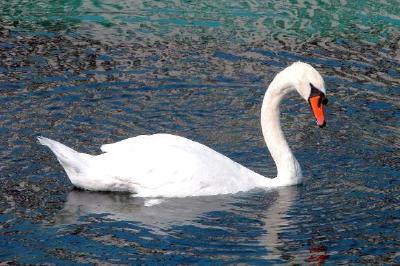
x=310 y=85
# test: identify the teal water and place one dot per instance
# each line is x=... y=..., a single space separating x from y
x=93 y=72
x=242 y=22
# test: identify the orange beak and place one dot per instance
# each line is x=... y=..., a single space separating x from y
x=317 y=107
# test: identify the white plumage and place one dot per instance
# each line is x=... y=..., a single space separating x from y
x=156 y=165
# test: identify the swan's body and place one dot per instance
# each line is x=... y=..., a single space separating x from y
x=160 y=165
x=164 y=165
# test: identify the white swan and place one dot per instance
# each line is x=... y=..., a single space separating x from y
x=163 y=165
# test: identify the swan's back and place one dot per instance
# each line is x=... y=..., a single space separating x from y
x=156 y=139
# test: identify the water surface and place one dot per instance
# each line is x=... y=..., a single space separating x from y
x=93 y=72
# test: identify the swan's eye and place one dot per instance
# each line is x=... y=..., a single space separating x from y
x=324 y=101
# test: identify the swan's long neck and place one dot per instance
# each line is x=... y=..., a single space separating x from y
x=289 y=171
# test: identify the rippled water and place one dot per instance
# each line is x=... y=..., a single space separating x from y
x=91 y=72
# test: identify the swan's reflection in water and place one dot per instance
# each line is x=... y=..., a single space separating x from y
x=255 y=217
x=123 y=207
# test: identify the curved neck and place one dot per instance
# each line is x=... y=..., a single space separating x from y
x=289 y=171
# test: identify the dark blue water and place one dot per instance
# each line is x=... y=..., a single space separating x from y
x=86 y=82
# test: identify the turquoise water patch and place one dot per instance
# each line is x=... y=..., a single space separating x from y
x=242 y=22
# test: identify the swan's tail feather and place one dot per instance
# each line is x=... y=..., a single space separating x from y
x=72 y=161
